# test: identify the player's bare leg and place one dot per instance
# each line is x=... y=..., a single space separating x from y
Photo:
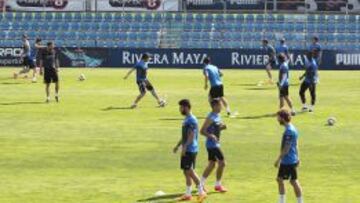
x=289 y=103
x=161 y=102
x=226 y=105
x=23 y=71
x=297 y=190
x=282 y=102
x=187 y=196
x=34 y=75
x=219 y=174
x=210 y=167
x=196 y=180
x=137 y=100
x=57 y=87
x=281 y=186
x=268 y=71
x=47 y=91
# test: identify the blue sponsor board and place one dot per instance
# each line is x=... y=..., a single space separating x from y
x=192 y=58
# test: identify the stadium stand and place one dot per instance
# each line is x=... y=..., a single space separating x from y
x=179 y=30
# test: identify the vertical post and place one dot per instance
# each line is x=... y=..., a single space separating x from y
x=225 y=6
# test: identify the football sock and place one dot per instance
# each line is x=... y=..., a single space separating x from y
x=282 y=199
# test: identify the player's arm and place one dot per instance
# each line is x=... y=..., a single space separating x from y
x=38 y=46
x=284 y=151
x=177 y=146
x=129 y=73
x=204 y=128
x=41 y=66
x=206 y=79
x=283 y=79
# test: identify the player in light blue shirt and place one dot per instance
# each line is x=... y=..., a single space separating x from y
x=283 y=83
x=142 y=81
x=211 y=129
x=316 y=48
x=288 y=160
x=282 y=48
x=310 y=81
x=189 y=149
x=213 y=76
x=28 y=60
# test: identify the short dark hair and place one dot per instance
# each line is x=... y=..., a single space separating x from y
x=284 y=114
x=185 y=103
x=316 y=38
x=145 y=56
x=214 y=102
x=281 y=57
x=38 y=40
x=282 y=40
x=265 y=41
x=25 y=36
x=207 y=60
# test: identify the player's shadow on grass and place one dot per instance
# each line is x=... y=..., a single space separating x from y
x=11 y=83
x=261 y=88
x=112 y=108
x=269 y=115
x=20 y=103
x=169 y=198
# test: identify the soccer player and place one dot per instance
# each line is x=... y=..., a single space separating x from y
x=49 y=66
x=283 y=83
x=288 y=160
x=311 y=78
x=38 y=48
x=271 y=53
x=142 y=81
x=29 y=63
x=282 y=48
x=189 y=149
x=316 y=48
x=213 y=75
x=211 y=129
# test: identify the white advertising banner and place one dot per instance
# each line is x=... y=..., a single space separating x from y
x=137 y=5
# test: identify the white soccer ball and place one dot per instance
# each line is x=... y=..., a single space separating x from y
x=331 y=121
x=82 y=77
x=159 y=193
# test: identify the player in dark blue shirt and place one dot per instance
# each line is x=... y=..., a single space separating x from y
x=283 y=83
x=282 y=48
x=316 y=48
x=211 y=129
x=310 y=81
x=271 y=53
x=189 y=149
x=142 y=81
x=288 y=160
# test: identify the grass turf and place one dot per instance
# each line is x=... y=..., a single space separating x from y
x=91 y=148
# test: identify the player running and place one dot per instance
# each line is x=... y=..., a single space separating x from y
x=189 y=150
x=311 y=78
x=288 y=160
x=142 y=81
x=316 y=48
x=213 y=75
x=49 y=66
x=211 y=129
x=271 y=53
x=283 y=83
x=29 y=63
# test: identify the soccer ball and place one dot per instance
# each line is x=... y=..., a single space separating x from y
x=82 y=77
x=331 y=121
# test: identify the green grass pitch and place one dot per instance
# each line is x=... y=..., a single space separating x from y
x=90 y=148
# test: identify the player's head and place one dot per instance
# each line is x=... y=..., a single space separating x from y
x=24 y=37
x=282 y=58
x=315 y=39
x=265 y=42
x=282 y=41
x=38 y=40
x=216 y=105
x=184 y=106
x=283 y=116
x=145 y=57
x=207 y=60
x=50 y=45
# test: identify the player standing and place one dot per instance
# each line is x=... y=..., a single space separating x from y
x=142 y=81
x=189 y=150
x=271 y=53
x=288 y=160
x=213 y=75
x=316 y=48
x=27 y=58
x=49 y=66
x=211 y=129
x=38 y=48
x=282 y=48
x=283 y=83
x=311 y=78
